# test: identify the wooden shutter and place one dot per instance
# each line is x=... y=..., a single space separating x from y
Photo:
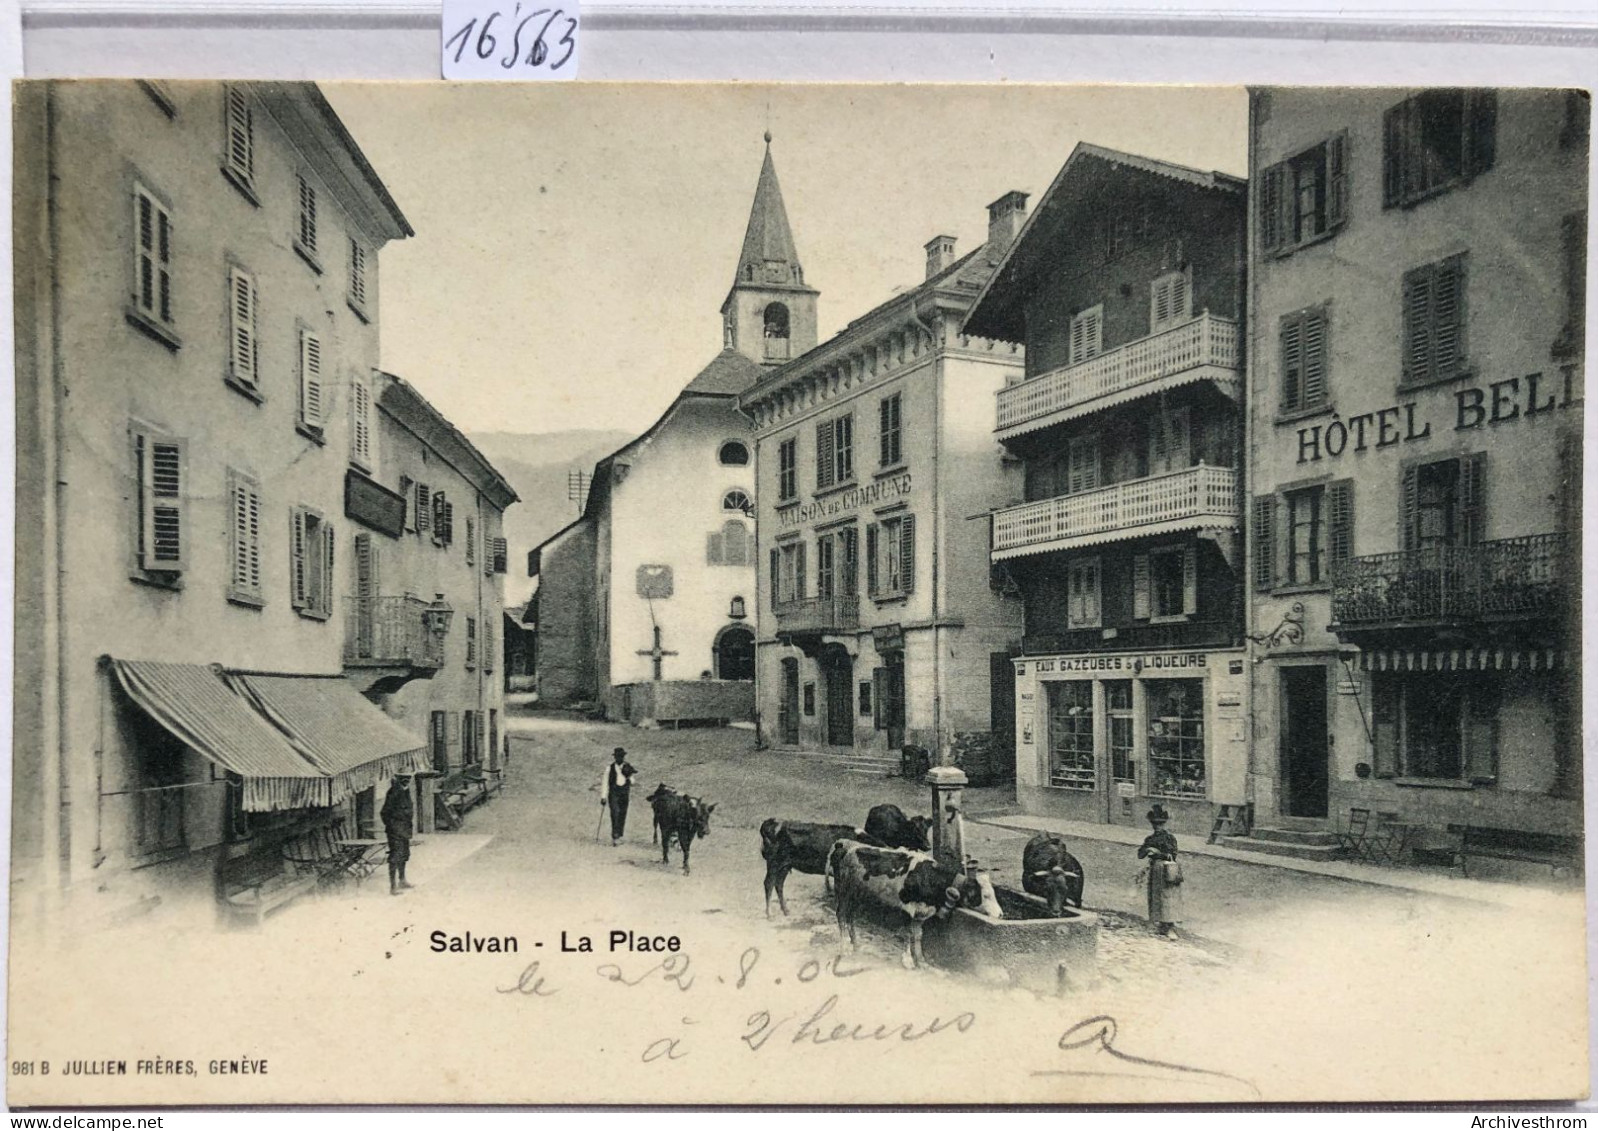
x=144 y=250
x=1082 y=464
x=163 y=527
x=163 y=259
x=776 y=572
x=452 y=727
x=449 y=524
x=361 y=421
x=907 y=554
x=480 y=727
x=1384 y=724
x=357 y=272
x=1272 y=234
x=873 y=567
x=307 y=215
x=844 y=442
x=1481 y=130
x=1336 y=179
x=1481 y=736
x=1473 y=498
x=245 y=500
x=501 y=555
x=242 y=303
x=1292 y=350
x=298 y=564
x=879 y=696
x=240 y=133
x=311 y=379
x=1395 y=138
x=799 y=572
x=1417 y=340
x=325 y=595
x=1409 y=507
x=1339 y=523
x=1140 y=587
x=1190 y=580
x=424 y=509
x=824 y=454
x=1263 y=542
x=471 y=541
x=1448 y=318
x=1094 y=331
x=1312 y=379
x=365 y=593
x=488 y=657
x=824 y=566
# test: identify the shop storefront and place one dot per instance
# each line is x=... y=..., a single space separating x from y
x=1099 y=736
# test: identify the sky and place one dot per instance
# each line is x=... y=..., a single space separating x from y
x=574 y=242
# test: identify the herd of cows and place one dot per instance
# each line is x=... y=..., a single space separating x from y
x=887 y=866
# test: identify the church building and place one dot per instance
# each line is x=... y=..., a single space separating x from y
x=655 y=620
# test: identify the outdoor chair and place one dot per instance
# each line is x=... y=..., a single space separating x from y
x=1354 y=839
x=1387 y=843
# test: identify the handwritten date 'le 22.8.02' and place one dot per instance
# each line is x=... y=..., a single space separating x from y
x=483 y=41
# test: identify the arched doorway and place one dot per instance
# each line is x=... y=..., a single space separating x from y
x=735 y=653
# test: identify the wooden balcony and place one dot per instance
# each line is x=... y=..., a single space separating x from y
x=1193 y=498
x=1204 y=348
x=818 y=616
x=390 y=632
x=1512 y=579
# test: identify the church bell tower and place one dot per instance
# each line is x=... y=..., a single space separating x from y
x=770 y=314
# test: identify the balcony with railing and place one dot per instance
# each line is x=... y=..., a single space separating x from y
x=1190 y=499
x=1511 y=579
x=1204 y=348
x=817 y=616
x=391 y=632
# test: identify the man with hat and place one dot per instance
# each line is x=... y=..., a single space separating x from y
x=399 y=819
x=613 y=790
x=1164 y=873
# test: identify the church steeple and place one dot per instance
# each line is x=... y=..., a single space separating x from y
x=770 y=314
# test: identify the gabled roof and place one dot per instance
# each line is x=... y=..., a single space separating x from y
x=997 y=311
x=768 y=239
x=728 y=374
x=405 y=403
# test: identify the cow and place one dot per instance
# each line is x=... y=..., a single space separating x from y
x=899 y=882
x=889 y=825
x=677 y=814
x=800 y=846
x=654 y=825
x=1048 y=870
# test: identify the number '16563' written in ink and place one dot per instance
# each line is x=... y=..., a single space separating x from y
x=521 y=41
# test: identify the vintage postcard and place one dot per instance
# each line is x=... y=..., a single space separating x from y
x=797 y=594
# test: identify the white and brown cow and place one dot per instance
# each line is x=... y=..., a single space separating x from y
x=898 y=882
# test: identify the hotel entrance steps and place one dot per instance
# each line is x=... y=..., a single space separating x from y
x=1299 y=838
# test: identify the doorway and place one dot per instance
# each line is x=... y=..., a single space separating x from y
x=1305 y=772
x=837 y=672
x=1001 y=713
x=735 y=653
x=788 y=707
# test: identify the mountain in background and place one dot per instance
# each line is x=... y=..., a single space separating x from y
x=536 y=464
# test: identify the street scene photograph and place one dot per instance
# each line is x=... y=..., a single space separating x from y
x=823 y=594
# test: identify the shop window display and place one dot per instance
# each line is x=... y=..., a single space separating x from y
x=1176 y=738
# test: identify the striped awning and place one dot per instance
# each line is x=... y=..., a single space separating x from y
x=334 y=728
x=200 y=710
x=1463 y=659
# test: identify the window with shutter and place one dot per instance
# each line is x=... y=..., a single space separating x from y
x=824 y=564
x=1082 y=472
x=1169 y=574
x=1140 y=587
x=449 y=524
x=1170 y=300
x=1087 y=334
x=1190 y=581
x=1271 y=229
x=1473 y=499
x=1384 y=725
x=1082 y=594
x=889 y=431
x=357 y=295
x=1436 y=140
x=907 y=554
x=324 y=592
x=152 y=258
x=439 y=505
x=1262 y=539
x=1305 y=198
x=311 y=563
x=424 y=509
x=788 y=469
x=306 y=238
x=311 y=390
x=299 y=564
x=1340 y=524
x=1304 y=346
x=488 y=649
x=361 y=434
x=240 y=143
x=163 y=535
x=471 y=642
x=873 y=564
x=1409 y=506
x=501 y=555
x=244 y=515
x=245 y=361
x=471 y=541
x=1305 y=561
x=800 y=573
x=1434 y=310
x=1292 y=348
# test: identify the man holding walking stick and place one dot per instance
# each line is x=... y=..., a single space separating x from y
x=613 y=791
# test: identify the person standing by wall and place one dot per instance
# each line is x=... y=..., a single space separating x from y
x=613 y=791
x=399 y=821
x=1164 y=874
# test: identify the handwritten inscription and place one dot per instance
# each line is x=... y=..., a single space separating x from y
x=518 y=40
x=761 y=1027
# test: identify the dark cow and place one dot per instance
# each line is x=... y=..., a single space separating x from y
x=889 y=825
x=660 y=791
x=899 y=882
x=799 y=846
x=678 y=815
x=1048 y=870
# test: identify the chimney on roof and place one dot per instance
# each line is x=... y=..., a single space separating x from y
x=940 y=255
x=1005 y=217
